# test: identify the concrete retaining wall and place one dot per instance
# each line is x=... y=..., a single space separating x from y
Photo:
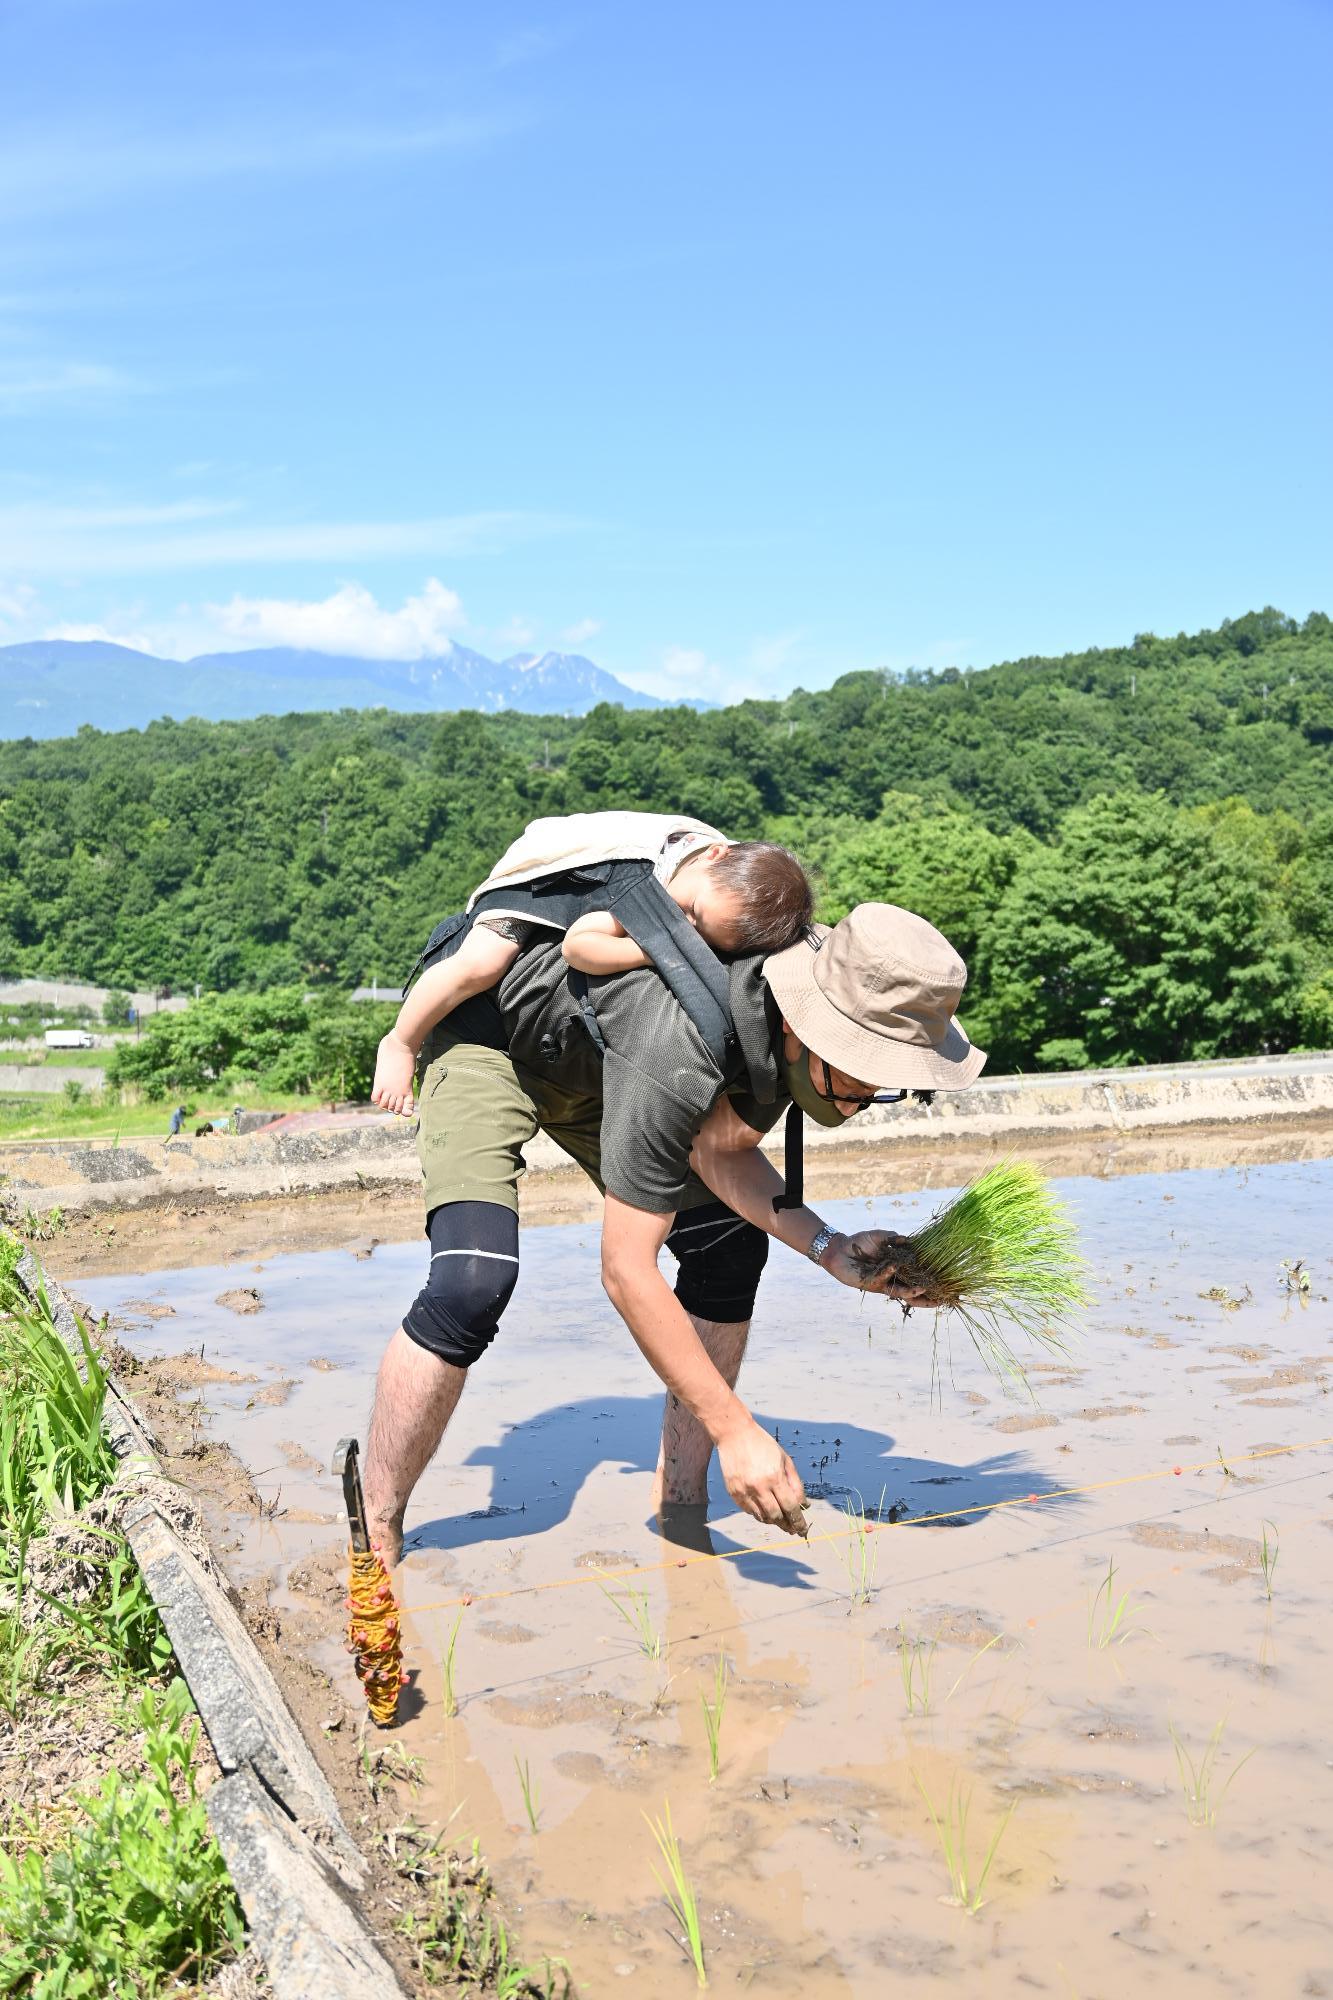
x=47 y=1077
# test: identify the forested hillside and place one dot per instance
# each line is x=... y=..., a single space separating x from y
x=1133 y=847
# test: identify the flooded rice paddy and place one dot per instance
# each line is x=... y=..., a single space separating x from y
x=997 y=1662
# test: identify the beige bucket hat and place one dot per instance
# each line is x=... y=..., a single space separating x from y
x=875 y=997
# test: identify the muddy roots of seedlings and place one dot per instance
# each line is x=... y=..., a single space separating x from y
x=1003 y=1259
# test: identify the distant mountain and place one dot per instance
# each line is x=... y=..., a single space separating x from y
x=50 y=687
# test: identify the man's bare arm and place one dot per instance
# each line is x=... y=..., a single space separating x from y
x=760 y=1476
x=726 y=1157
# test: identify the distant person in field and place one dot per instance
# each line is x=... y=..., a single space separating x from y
x=177 y=1120
x=743 y=897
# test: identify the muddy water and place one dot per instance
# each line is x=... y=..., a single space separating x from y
x=814 y=1857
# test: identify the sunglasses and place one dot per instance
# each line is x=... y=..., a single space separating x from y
x=854 y=1097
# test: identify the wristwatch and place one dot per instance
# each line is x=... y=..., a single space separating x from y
x=819 y=1243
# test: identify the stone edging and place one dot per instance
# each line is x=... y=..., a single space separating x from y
x=294 y=1864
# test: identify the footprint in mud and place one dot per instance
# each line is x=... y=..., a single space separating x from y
x=1095 y=1415
x=506 y=1635
x=318 y=1361
x=1243 y=1553
x=275 y=1395
x=548 y=1711
x=297 y=1457
x=1041 y=1421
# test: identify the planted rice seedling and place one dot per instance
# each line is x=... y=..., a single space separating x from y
x=1198 y=1777
x=1002 y=1259
x=1268 y=1558
x=915 y=1659
x=860 y=1551
x=675 y=1887
x=450 y=1690
x=713 y=1714
x=632 y=1606
x=966 y=1889
x=1110 y=1618
x=532 y=1803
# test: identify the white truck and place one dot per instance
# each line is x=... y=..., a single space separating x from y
x=68 y=1038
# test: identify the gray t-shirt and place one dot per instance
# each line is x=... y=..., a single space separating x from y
x=657 y=1082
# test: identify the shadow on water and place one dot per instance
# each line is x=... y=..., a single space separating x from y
x=540 y=1466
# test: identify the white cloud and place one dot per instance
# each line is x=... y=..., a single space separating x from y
x=680 y=671
x=29 y=384
x=769 y=657
x=138 y=641
x=129 y=541
x=516 y=635
x=46 y=168
x=581 y=631
x=18 y=602
x=349 y=622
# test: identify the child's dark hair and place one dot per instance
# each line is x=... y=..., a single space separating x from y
x=775 y=894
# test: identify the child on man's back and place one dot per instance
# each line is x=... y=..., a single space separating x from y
x=742 y=897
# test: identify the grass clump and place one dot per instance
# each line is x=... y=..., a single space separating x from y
x=459 y=1941
x=1002 y=1258
x=135 y=1896
x=53 y=1451
x=118 y=1886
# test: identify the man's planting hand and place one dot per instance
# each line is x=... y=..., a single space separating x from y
x=841 y=1261
x=761 y=1478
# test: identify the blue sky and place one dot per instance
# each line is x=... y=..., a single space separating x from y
x=736 y=345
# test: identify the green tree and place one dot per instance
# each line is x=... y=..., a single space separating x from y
x=1145 y=934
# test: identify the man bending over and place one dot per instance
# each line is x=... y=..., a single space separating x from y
x=836 y=1021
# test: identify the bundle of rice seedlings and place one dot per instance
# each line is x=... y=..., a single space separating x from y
x=1002 y=1259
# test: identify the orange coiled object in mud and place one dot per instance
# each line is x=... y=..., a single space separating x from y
x=373 y=1634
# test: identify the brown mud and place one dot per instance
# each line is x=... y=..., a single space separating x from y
x=814 y=1857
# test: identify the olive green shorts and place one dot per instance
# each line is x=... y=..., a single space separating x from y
x=478 y=1111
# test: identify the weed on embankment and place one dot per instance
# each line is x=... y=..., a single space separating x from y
x=110 y=1881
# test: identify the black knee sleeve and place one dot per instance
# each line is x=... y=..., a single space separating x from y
x=721 y=1261
x=473 y=1271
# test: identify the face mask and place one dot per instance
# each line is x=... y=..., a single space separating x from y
x=800 y=1083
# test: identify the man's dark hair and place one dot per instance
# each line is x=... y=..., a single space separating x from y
x=774 y=891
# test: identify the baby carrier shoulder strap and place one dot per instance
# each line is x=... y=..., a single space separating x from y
x=648 y=915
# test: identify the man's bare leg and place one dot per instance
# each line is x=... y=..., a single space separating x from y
x=682 y=1463
x=415 y=1396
